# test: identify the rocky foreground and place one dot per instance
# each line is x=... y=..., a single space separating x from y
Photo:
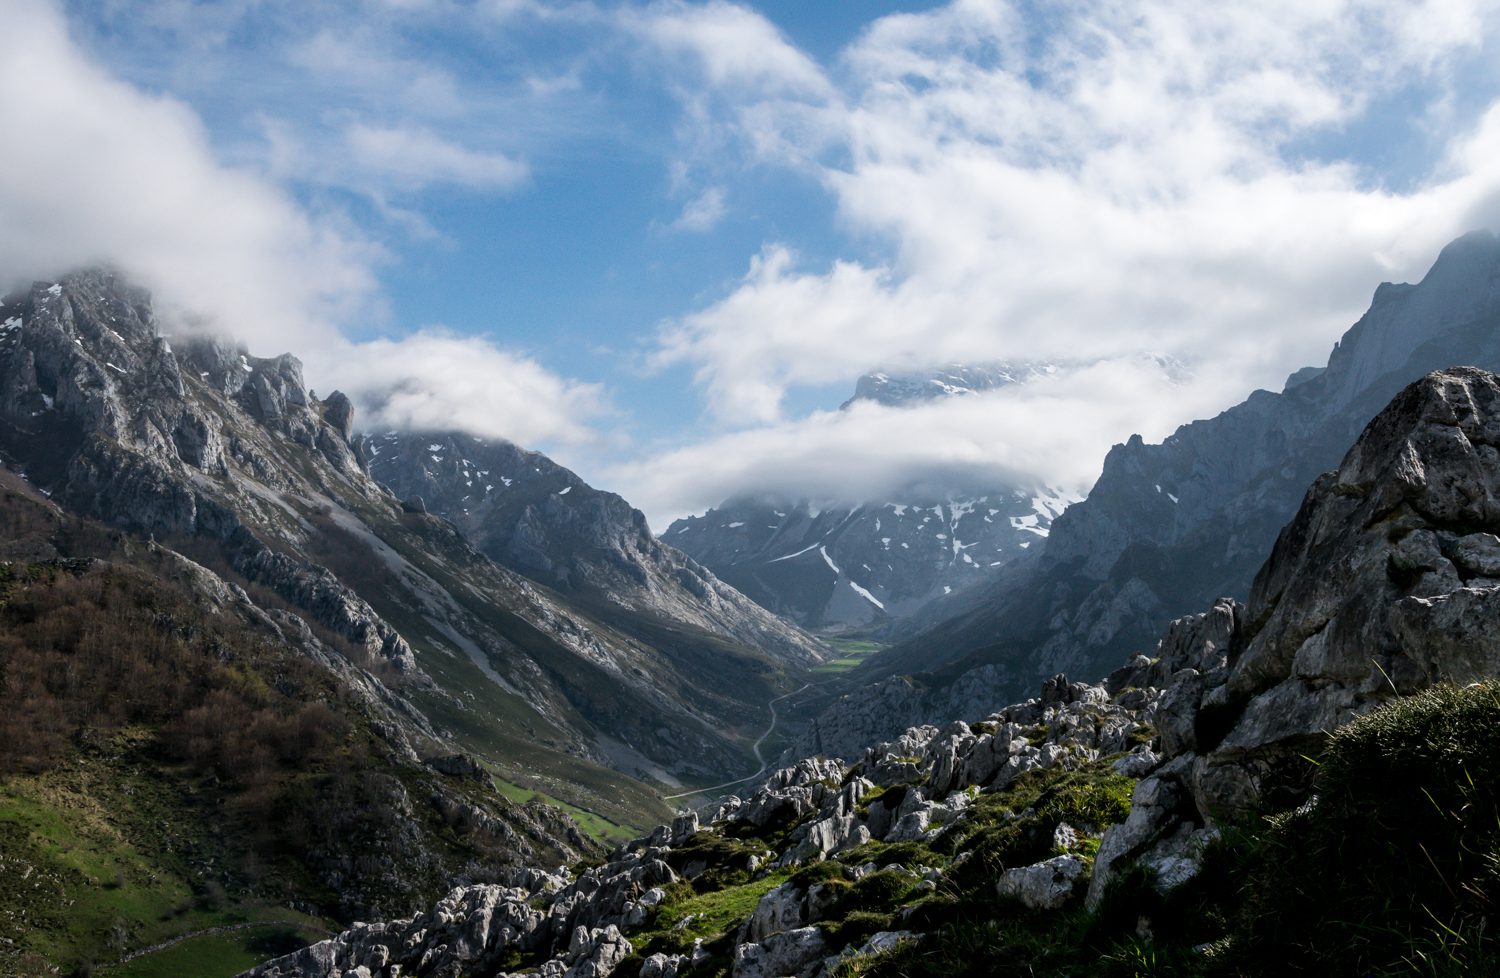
x=1386 y=583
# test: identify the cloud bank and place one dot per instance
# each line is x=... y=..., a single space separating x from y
x=1092 y=180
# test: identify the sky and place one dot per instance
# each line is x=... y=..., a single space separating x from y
x=661 y=240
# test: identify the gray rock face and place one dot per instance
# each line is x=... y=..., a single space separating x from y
x=1047 y=885
x=539 y=519
x=1168 y=528
x=1377 y=588
x=796 y=952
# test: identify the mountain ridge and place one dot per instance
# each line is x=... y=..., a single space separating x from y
x=1130 y=557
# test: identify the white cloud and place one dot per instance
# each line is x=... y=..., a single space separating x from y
x=1054 y=429
x=413 y=158
x=433 y=380
x=1097 y=181
x=734 y=47
x=703 y=212
x=97 y=171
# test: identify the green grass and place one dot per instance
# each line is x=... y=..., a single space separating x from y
x=96 y=864
x=852 y=652
x=224 y=955
x=594 y=825
x=719 y=911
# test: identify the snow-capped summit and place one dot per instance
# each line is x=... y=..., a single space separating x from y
x=895 y=389
x=857 y=563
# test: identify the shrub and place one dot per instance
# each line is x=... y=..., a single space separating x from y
x=1394 y=866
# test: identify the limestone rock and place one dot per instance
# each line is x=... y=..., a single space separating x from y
x=798 y=953
x=1045 y=885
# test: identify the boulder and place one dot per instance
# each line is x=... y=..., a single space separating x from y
x=1045 y=885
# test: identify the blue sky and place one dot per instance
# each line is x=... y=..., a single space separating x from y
x=661 y=240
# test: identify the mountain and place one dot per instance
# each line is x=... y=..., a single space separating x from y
x=229 y=459
x=539 y=519
x=853 y=565
x=179 y=752
x=1170 y=527
x=1300 y=785
x=902 y=389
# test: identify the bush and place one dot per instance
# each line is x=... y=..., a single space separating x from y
x=1394 y=866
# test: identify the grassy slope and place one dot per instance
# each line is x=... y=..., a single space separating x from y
x=851 y=651
x=99 y=858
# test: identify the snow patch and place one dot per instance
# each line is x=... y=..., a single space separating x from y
x=829 y=560
x=790 y=556
x=866 y=595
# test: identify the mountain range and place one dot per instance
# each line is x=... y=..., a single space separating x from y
x=266 y=671
x=845 y=566
x=1169 y=527
x=231 y=459
x=1285 y=787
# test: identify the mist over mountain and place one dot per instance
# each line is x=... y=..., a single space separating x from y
x=1172 y=526
x=841 y=566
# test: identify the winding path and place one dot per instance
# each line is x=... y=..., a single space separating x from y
x=755 y=747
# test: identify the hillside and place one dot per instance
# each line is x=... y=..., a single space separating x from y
x=1300 y=785
x=231 y=459
x=539 y=519
x=177 y=755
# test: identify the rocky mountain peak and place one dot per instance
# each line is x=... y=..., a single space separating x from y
x=1461 y=289
x=904 y=388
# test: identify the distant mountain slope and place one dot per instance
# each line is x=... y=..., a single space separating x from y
x=539 y=519
x=866 y=563
x=851 y=565
x=1169 y=527
x=231 y=458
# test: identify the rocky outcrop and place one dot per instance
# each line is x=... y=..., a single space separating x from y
x=1379 y=587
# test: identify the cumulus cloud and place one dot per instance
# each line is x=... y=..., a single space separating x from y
x=96 y=171
x=1182 y=177
x=433 y=380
